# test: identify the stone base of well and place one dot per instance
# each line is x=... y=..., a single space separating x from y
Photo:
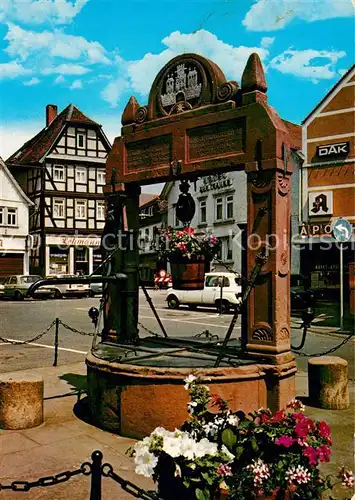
x=133 y=400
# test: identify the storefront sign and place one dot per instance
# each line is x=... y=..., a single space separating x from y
x=77 y=241
x=217 y=181
x=342 y=148
x=320 y=203
x=309 y=230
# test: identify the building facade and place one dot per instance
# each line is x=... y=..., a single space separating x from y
x=62 y=170
x=328 y=188
x=14 y=211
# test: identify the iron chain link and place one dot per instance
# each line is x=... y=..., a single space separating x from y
x=318 y=354
x=62 y=477
x=131 y=488
x=19 y=342
x=74 y=330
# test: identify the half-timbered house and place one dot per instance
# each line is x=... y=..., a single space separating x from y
x=62 y=170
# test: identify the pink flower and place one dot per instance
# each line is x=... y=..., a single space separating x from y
x=323 y=453
x=181 y=246
x=224 y=470
x=311 y=454
x=189 y=230
x=285 y=441
x=324 y=429
x=347 y=478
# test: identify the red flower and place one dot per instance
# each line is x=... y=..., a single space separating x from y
x=298 y=417
x=323 y=453
x=324 y=429
x=311 y=454
x=189 y=230
x=278 y=417
x=285 y=441
x=303 y=427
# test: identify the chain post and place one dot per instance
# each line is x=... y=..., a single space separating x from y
x=95 y=490
x=56 y=342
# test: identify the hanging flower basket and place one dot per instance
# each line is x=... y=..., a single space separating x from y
x=189 y=256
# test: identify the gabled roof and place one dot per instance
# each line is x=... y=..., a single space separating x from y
x=146 y=198
x=329 y=94
x=14 y=183
x=295 y=132
x=33 y=150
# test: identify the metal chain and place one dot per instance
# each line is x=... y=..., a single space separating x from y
x=132 y=489
x=19 y=342
x=149 y=331
x=318 y=354
x=85 y=469
x=74 y=330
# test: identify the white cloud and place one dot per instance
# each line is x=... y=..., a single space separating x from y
x=12 y=70
x=77 y=84
x=266 y=41
x=12 y=136
x=40 y=11
x=33 y=81
x=66 y=69
x=113 y=91
x=24 y=43
x=231 y=59
x=306 y=63
x=59 y=79
x=271 y=15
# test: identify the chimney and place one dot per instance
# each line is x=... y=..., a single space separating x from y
x=51 y=113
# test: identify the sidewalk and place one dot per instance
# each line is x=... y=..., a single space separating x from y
x=64 y=441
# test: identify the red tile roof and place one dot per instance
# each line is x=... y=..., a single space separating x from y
x=146 y=198
x=295 y=133
x=33 y=150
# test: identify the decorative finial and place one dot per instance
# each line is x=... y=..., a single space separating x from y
x=130 y=111
x=253 y=75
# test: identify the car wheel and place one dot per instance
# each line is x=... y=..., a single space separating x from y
x=192 y=307
x=18 y=295
x=173 y=302
x=224 y=308
x=57 y=294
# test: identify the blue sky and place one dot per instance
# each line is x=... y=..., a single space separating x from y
x=96 y=53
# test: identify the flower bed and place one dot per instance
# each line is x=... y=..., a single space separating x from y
x=243 y=457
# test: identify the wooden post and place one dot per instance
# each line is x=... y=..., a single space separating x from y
x=328 y=383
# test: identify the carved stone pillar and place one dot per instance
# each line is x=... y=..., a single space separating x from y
x=268 y=331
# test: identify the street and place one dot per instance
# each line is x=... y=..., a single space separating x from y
x=25 y=320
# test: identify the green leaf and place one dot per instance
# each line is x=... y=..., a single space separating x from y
x=229 y=438
x=202 y=494
x=238 y=452
x=254 y=444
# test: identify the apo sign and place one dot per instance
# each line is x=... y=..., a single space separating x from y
x=341 y=148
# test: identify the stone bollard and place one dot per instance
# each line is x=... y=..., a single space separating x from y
x=21 y=401
x=328 y=385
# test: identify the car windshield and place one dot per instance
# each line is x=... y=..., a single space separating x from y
x=29 y=279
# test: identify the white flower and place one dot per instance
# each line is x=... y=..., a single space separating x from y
x=161 y=431
x=172 y=446
x=233 y=420
x=225 y=450
x=298 y=475
x=260 y=470
x=188 y=381
x=205 y=447
x=145 y=463
x=188 y=447
x=191 y=406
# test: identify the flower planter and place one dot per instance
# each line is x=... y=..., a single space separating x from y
x=188 y=274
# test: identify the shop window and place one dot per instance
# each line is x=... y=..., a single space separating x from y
x=80 y=209
x=203 y=212
x=11 y=216
x=80 y=175
x=81 y=264
x=58 y=260
x=58 y=208
x=58 y=173
x=100 y=210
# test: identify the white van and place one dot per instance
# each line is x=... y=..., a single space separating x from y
x=213 y=294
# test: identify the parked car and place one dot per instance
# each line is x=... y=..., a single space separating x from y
x=2 y=287
x=95 y=288
x=16 y=286
x=69 y=290
x=212 y=294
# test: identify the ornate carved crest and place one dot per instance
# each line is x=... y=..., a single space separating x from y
x=183 y=83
